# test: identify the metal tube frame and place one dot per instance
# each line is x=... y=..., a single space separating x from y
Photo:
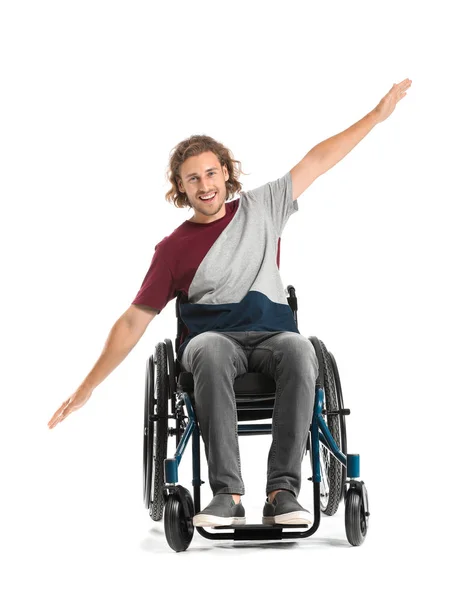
x=319 y=433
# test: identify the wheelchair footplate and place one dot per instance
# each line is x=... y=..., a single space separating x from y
x=256 y=532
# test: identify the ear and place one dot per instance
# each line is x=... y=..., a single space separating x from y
x=225 y=173
x=180 y=185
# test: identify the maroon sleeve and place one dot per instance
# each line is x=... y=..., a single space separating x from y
x=158 y=286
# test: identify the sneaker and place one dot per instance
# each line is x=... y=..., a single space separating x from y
x=285 y=510
x=222 y=510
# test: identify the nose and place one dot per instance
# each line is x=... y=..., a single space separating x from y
x=204 y=185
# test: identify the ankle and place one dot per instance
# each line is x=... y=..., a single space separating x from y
x=272 y=495
x=236 y=498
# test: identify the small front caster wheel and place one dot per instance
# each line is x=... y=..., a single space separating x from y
x=356 y=522
x=178 y=519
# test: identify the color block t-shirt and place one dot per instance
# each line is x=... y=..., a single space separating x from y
x=227 y=271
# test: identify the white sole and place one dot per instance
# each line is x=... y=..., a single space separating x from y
x=212 y=521
x=298 y=517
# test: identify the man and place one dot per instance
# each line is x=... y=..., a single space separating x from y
x=224 y=261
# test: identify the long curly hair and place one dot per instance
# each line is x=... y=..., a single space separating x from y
x=193 y=146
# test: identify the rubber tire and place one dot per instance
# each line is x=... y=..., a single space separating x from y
x=335 y=468
x=158 y=495
x=148 y=450
x=341 y=406
x=356 y=524
x=179 y=528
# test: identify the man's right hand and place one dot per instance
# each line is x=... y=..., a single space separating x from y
x=75 y=401
x=123 y=336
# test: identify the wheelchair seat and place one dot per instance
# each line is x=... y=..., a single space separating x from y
x=254 y=393
x=249 y=386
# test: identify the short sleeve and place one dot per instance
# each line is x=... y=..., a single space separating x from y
x=277 y=196
x=158 y=286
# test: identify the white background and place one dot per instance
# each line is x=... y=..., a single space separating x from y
x=94 y=96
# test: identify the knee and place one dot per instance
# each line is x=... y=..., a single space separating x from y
x=301 y=355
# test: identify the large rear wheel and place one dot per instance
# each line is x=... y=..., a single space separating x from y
x=341 y=407
x=149 y=402
x=333 y=474
x=156 y=431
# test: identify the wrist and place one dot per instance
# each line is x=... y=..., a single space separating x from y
x=87 y=386
x=375 y=115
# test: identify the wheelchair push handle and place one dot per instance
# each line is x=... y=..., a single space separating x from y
x=292 y=301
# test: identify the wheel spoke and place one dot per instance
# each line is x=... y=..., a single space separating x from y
x=323 y=468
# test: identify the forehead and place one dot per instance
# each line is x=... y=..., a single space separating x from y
x=199 y=164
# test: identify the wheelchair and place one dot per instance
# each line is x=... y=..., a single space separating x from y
x=169 y=399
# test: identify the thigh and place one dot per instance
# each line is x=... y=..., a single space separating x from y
x=215 y=349
x=288 y=348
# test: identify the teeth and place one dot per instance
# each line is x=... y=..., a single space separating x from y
x=208 y=197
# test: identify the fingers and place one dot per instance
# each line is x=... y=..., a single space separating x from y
x=60 y=414
x=402 y=86
x=398 y=90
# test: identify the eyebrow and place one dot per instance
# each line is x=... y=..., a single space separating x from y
x=207 y=170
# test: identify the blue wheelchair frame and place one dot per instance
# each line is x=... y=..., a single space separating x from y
x=319 y=432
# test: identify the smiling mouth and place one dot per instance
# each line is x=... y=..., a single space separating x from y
x=210 y=199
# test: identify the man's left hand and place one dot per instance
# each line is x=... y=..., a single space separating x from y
x=387 y=105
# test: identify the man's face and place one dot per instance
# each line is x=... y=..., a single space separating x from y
x=203 y=175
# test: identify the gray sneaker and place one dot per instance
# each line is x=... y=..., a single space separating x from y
x=222 y=510
x=285 y=510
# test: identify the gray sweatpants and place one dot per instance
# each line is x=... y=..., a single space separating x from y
x=215 y=359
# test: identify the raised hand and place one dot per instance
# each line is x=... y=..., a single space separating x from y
x=387 y=105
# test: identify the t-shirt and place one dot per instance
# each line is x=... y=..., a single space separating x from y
x=227 y=271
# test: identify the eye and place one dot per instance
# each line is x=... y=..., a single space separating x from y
x=210 y=173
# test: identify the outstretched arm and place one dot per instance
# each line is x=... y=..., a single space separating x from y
x=325 y=155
